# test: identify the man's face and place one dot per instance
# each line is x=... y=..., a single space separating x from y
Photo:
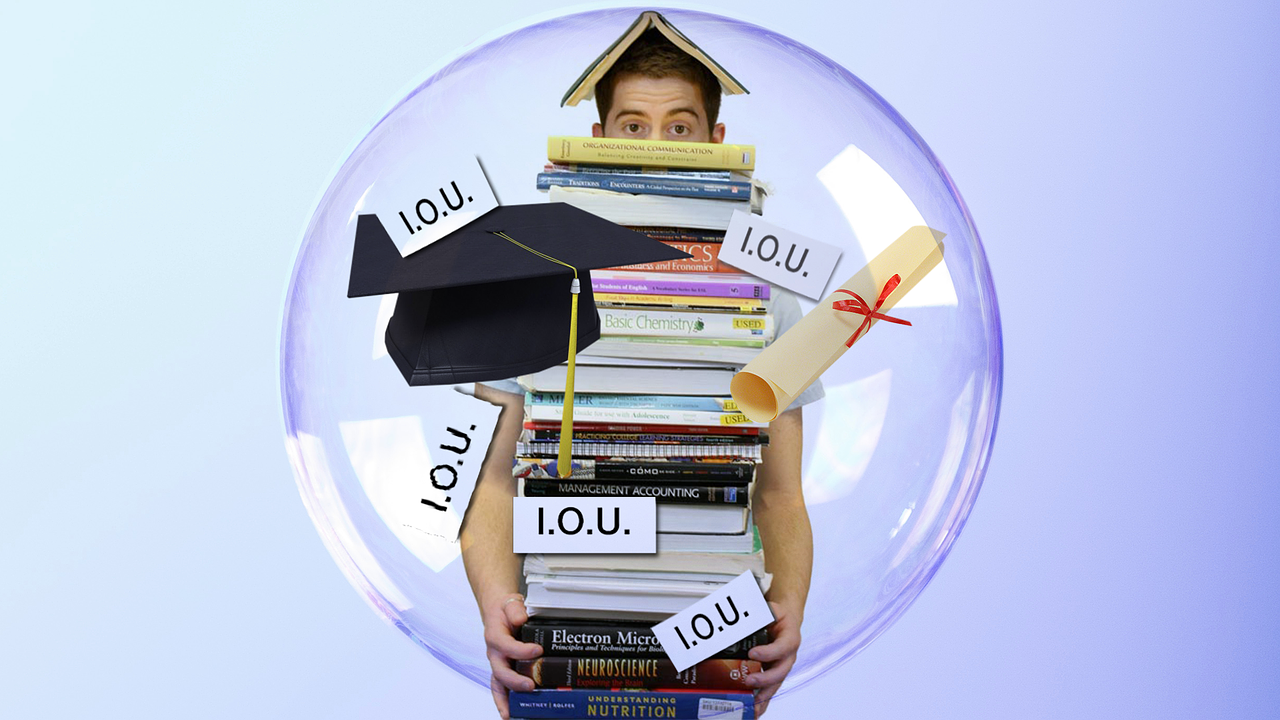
x=669 y=108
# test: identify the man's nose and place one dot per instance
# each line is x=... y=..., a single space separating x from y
x=655 y=133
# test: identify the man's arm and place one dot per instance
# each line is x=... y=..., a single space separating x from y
x=778 y=505
x=492 y=568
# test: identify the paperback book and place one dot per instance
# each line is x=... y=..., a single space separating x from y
x=709 y=284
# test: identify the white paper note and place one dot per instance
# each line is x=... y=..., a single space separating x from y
x=584 y=525
x=797 y=263
x=715 y=622
x=420 y=471
x=428 y=195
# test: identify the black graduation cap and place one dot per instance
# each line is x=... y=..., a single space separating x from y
x=476 y=305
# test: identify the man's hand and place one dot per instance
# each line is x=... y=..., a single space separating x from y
x=500 y=624
x=778 y=656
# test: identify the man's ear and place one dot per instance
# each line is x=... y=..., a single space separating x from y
x=717 y=133
x=597 y=130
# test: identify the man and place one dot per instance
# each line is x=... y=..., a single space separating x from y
x=654 y=91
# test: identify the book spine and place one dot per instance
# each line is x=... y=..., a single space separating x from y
x=595 y=449
x=648 y=185
x=645 y=428
x=640 y=402
x=636 y=415
x=638 y=470
x=721 y=471
x=738 y=352
x=677 y=323
x=684 y=303
x=649 y=438
x=672 y=705
x=651 y=153
x=612 y=341
x=682 y=494
x=679 y=234
x=704 y=257
x=634 y=170
x=612 y=640
x=646 y=673
x=713 y=287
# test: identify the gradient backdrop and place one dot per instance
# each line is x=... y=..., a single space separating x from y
x=157 y=166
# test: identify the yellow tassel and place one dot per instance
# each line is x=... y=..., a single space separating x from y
x=565 y=459
x=566 y=419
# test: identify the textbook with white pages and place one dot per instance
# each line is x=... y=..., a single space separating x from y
x=655 y=210
x=656 y=378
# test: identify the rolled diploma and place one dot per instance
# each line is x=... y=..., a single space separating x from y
x=784 y=369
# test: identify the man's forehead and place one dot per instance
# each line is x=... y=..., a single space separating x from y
x=639 y=94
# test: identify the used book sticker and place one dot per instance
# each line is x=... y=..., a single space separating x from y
x=715 y=622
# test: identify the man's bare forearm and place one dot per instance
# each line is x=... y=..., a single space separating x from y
x=492 y=568
x=780 y=513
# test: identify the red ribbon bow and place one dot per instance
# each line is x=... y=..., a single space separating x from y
x=859 y=306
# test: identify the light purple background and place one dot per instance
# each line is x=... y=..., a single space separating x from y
x=157 y=166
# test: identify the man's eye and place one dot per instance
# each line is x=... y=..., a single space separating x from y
x=679 y=129
x=631 y=127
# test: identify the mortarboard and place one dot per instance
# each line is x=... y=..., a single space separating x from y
x=585 y=86
x=495 y=298
x=476 y=306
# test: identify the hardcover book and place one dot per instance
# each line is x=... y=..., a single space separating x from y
x=633 y=379
x=611 y=673
x=650 y=153
x=738 y=352
x=647 y=322
x=645 y=210
x=674 y=705
x=645 y=184
x=682 y=303
x=673 y=493
x=613 y=639
x=682 y=173
x=704 y=257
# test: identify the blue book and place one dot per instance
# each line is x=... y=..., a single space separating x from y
x=649 y=185
x=674 y=705
x=637 y=402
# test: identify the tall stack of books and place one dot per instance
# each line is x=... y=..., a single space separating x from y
x=683 y=194
x=652 y=418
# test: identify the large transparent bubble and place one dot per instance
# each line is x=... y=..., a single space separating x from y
x=894 y=454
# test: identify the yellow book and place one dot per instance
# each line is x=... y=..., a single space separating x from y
x=650 y=153
x=745 y=305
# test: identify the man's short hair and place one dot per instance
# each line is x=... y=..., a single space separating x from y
x=653 y=55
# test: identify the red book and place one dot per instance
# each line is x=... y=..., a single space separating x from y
x=605 y=673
